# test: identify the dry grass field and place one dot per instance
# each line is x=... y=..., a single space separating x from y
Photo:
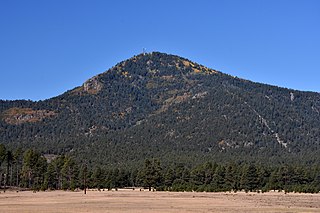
x=149 y=202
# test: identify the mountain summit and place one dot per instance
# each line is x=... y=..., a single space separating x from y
x=165 y=106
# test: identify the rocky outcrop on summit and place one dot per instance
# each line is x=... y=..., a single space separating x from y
x=92 y=86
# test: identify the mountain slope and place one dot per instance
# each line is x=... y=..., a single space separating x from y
x=160 y=105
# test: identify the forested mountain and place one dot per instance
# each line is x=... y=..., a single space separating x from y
x=168 y=107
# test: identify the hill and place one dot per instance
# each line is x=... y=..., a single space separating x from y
x=168 y=107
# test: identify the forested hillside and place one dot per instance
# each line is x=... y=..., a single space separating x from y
x=163 y=106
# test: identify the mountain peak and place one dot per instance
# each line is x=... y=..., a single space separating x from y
x=153 y=60
x=145 y=67
x=148 y=66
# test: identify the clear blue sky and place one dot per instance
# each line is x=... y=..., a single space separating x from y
x=50 y=46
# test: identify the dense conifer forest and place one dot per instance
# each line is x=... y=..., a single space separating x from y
x=30 y=170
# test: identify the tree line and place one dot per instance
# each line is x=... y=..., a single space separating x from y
x=30 y=170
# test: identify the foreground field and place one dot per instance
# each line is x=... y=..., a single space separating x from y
x=136 y=201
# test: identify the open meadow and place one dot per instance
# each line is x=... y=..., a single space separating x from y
x=143 y=201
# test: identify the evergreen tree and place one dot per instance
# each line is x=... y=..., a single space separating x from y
x=98 y=178
x=218 y=181
x=57 y=165
x=263 y=177
x=274 y=180
x=316 y=183
x=69 y=173
x=169 y=177
x=231 y=177
x=50 y=177
x=249 y=178
x=3 y=152
x=84 y=178
x=9 y=161
x=152 y=173
x=33 y=169
x=18 y=158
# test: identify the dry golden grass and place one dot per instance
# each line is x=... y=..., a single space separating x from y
x=136 y=201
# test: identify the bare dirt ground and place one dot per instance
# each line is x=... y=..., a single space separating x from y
x=150 y=202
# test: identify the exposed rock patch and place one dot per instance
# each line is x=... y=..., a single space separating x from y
x=25 y=115
x=93 y=85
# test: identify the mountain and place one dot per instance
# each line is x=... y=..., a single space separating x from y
x=168 y=107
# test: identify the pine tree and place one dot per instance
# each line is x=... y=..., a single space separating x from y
x=3 y=152
x=50 y=178
x=218 y=181
x=249 y=178
x=58 y=164
x=69 y=173
x=9 y=161
x=152 y=173
x=97 y=178
x=18 y=158
x=33 y=169
x=169 y=177
x=231 y=178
